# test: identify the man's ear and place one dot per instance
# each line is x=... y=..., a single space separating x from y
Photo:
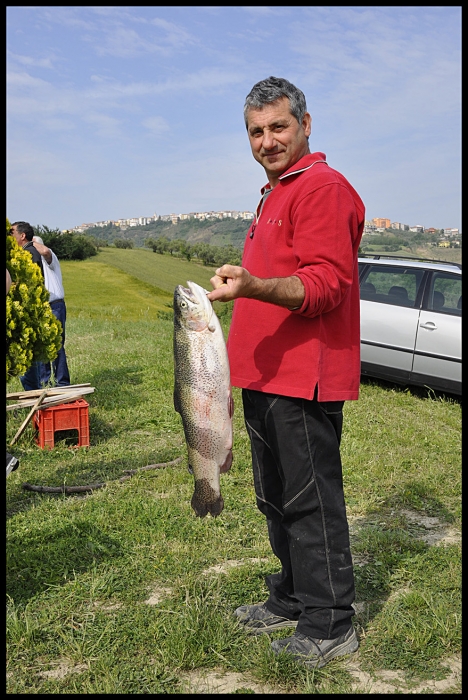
x=307 y=124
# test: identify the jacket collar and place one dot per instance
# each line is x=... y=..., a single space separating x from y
x=302 y=164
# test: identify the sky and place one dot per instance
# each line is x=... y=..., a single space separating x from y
x=126 y=111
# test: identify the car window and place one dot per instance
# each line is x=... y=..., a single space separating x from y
x=397 y=285
x=445 y=294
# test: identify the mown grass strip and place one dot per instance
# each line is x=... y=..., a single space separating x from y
x=96 y=290
x=164 y=271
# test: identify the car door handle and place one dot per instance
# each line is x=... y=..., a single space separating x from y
x=430 y=325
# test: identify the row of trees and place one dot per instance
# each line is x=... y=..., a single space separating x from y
x=123 y=243
x=69 y=245
x=208 y=254
x=212 y=231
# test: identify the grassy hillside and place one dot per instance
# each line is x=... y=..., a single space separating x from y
x=95 y=290
x=127 y=284
x=122 y=590
x=212 y=231
x=428 y=252
x=163 y=271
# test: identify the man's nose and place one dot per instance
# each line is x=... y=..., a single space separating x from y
x=268 y=140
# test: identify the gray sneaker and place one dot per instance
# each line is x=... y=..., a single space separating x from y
x=258 y=619
x=11 y=463
x=313 y=652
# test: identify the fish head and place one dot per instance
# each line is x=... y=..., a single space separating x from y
x=192 y=307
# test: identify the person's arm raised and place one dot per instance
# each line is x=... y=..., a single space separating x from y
x=43 y=250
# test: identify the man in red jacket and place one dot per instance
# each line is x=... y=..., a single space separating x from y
x=294 y=349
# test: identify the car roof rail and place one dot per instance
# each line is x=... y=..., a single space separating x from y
x=377 y=256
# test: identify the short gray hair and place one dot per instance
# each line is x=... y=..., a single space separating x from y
x=273 y=89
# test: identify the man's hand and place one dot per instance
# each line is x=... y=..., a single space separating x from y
x=232 y=281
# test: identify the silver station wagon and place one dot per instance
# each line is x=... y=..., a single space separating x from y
x=411 y=321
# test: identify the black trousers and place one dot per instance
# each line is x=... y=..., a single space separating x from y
x=299 y=487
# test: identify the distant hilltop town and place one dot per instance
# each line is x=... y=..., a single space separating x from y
x=375 y=226
x=175 y=218
x=372 y=227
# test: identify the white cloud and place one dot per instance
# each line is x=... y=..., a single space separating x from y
x=107 y=126
x=156 y=125
x=30 y=60
x=124 y=42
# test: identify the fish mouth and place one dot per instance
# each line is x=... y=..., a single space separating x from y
x=196 y=294
x=194 y=287
x=192 y=291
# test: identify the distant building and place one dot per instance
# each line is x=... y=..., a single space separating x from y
x=369 y=228
x=381 y=223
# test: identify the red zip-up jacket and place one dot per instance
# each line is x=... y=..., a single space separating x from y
x=310 y=226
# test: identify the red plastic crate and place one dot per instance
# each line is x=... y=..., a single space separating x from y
x=65 y=416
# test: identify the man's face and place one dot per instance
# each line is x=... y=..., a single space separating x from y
x=20 y=237
x=276 y=138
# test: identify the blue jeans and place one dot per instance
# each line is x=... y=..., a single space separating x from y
x=59 y=365
x=299 y=488
x=31 y=379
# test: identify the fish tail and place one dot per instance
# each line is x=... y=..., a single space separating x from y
x=205 y=499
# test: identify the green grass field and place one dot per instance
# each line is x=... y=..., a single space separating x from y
x=123 y=590
x=164 y=271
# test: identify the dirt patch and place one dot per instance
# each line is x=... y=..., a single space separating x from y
x=222 y=683
x=158 y=594
x=429 y=529
x=392 y=682
x=437 y=532
x=382 y=683
x=62 y=668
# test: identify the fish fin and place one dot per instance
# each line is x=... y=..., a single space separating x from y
x=205 y=500
x=176 y=402
x=230 y=405
x=190 y=469
x=225 y=467
x=211 y=328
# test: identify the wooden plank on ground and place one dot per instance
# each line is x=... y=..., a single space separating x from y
x=50 y=390
x=29 y=416
x=54 y=400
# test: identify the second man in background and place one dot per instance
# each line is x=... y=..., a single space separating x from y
x=53 y=284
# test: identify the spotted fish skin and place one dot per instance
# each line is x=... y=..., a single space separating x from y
x=202 y=394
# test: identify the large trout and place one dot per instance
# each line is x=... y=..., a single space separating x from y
x=202 y=394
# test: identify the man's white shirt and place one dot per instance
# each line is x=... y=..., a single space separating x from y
x=53 y=278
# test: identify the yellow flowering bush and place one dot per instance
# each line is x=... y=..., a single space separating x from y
x=33 y=332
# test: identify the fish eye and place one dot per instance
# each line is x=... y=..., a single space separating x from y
x=183 y=304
